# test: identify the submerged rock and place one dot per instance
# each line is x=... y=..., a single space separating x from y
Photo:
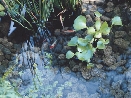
x=121 y=43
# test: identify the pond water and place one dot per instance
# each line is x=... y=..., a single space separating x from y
x=38 y=79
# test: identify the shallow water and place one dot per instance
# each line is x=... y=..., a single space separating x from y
x=51 y=82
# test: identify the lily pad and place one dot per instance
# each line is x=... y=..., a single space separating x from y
x=80 y=23
x=89 y=37
x=116 y=21
x=97 y=14
x=82 y=42
x=91 y=30
x=2 y=8
x=69 y=54
x=82 y=48
x=98 y=25
x=73 y=41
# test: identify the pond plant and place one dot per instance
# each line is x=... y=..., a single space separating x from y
x=85 y=46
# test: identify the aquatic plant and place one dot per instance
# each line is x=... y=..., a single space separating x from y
x=86 y=46
x=2 y=13
x=34 y=12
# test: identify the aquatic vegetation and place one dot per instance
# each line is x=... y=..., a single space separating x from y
x=7 y=90
x=94 y=39
x=2 y=13
x=34 y=12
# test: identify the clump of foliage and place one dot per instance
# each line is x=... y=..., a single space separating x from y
x=7 y=90
x=2 y=13
x=85 y=47
x=29 y=12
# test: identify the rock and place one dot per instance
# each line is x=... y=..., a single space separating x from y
x=2 y=58
x=5 y=62
x=105 y=18
x=108 y=9
x=1 y=53
x=4 y=41
x=110 y=4
x=117 y=64
x=8 y=57
x=117 y=11
x=121 y=43
x=8 y=45
x=89 y=21
x=85 y=72
x=120 y=34
x=17 y=46
x=99 y=2
x=62 y=62
x=13 y=50
x=129 y=14
x=76 y=68
x=6 y=51
x=92 y=8
x=99 y=66
x=57 y=32
x=1 y=39
x=129 y=33
x=110 y=60
x=101 y=10
x=108 y=51
x=61 y=56
x=127 y=95
x=58 y=48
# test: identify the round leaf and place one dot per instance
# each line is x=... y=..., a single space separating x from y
x=90 y=65
x=88 y=55
x=82 y=42
x=82 y=48
x=73 y=41
x=98 y=35
x=107 y=31
x=98 y=25
x=97 y=14
x=2 y=13
x=100 y=45
x=91 y=30
x=2 y=8
x=69 y=54
x=80 y=56
x=116 y=21
x=89 y=37
x=80 y=23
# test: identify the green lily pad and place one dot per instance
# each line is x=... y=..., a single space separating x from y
x=88 y=55
x=69 y=54
x=98 y=35
x=2 y=13
x=82 y=42
x=73 y=41
x=107 y=31
x=82 y=48
x=90 y=65
x=80 y=23
x=80 y=56
x=97 y=14
x=89 y=38
x=2 y=8
x=91 y=30
x=116 y=21
x=98 y=25
x=100 y=45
